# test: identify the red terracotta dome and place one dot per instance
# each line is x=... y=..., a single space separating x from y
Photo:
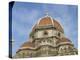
x=45 y=21
x=48 y=21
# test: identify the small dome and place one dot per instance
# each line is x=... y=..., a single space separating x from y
x=48 y=21
x=27 y=45
x=63 y=40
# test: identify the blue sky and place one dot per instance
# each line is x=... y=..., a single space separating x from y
x=25 y=15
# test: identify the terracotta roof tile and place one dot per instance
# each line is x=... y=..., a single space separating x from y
x=45 y=21
x=57 y=25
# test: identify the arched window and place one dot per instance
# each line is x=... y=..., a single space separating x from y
x=23 y=55
x=50 y=41
x=59 y=34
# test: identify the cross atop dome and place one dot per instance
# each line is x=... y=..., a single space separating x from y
x=46 y=13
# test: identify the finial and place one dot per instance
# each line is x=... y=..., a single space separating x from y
x=46 y=12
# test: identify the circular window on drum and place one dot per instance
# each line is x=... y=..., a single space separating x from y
x=45 y=33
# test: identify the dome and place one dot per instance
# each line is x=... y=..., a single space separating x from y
x=45 y=21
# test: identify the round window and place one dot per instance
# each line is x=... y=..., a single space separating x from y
x=45 y=33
